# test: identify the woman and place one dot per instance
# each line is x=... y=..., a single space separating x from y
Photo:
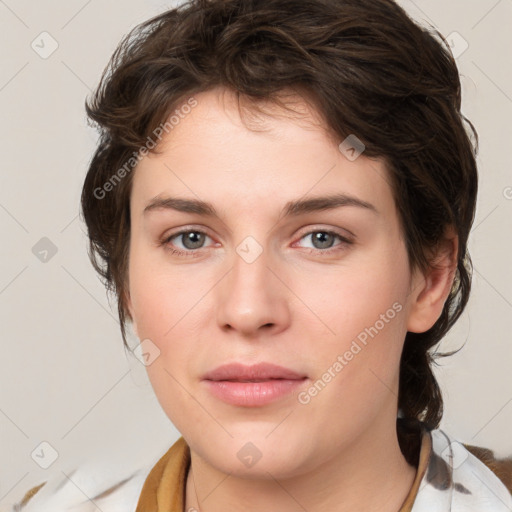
x=281 y=200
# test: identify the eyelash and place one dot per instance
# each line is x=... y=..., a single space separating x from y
x=194 y=252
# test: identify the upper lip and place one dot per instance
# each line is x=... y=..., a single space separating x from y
x=260 y=371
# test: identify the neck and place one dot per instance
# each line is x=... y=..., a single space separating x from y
x=370 y=475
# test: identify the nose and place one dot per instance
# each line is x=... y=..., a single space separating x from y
x=252 y=298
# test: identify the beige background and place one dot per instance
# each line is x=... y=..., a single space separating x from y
x=65 y=377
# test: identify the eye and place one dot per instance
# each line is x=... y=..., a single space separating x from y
x=323 y=241
x=191 y=241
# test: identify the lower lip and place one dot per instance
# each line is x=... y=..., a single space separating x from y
x=253 y=394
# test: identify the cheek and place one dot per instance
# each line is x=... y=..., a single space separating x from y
x=169 y=311
x=161 y=296
x=349 y=300
x=364 y=312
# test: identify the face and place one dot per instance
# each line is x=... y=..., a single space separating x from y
x=264 y=276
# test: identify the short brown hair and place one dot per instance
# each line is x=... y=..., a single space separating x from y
x=370 y=71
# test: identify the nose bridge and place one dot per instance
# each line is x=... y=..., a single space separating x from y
x=251 y=296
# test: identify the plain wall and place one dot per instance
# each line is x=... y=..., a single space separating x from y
x=65 y=378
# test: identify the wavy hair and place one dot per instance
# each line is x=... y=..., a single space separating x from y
x=369 y=69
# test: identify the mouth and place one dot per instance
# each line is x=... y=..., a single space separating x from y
x=253 y=386
x=260 y=372
x=253 y=393
x=254 y=380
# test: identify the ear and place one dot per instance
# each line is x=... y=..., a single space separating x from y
x=129 y=307
x=431 y=288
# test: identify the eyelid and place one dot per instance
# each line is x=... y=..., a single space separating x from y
x=181 y=231
x=344 y=240
x=328 y=229
x=186 y=229
x=306 y=231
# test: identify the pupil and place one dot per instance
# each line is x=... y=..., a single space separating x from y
x=193 y=240
x=320 y=237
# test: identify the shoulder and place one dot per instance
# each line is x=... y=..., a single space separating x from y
x=502 y=468
x=84 y=489
x=465 y=477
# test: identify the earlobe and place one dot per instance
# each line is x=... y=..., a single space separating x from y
x=432 y=288
x=129 y=308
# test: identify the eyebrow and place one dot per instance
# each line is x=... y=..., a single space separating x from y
x=291 y=209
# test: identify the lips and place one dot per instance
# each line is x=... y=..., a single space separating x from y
x=252 y=386
x=260 y=372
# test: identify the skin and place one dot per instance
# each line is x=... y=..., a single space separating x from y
x=296 y=305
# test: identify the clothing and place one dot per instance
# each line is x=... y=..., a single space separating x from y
x=449 y=478
x=110 y=490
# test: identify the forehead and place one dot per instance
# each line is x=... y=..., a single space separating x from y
x=223 y=149
x=225 y=109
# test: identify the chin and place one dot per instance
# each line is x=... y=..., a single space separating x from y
x=258 y=455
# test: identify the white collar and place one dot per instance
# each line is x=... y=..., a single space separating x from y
x=457 y=481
